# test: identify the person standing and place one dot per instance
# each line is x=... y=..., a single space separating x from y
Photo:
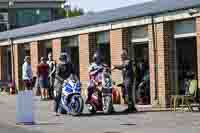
x=52 y=70
x=63 y=71
x=42 y=74
x=27 y=74
x=127 y=73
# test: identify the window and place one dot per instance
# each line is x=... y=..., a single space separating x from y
x=3 y=21
x=103 y=44
x=3 y=27
x=71 y=46
x=27 y=17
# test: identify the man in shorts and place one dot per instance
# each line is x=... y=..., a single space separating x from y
x=42 y=74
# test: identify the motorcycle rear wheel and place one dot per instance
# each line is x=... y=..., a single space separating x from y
x=107 y=105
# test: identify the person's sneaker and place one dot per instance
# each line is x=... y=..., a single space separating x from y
x=130 y=110
x=57 y=114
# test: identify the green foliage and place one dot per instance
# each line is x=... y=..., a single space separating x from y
x=75 y=12
x=71 y=12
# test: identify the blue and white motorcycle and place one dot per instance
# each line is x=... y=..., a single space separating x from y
x=71 y=100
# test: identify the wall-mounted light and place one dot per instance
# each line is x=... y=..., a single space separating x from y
x=38 y=11
x=11 y=3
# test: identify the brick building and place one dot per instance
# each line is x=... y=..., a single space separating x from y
x=166 y=34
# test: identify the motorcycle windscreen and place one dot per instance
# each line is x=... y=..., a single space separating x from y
x=68 y=88
x=73 y=87
x=78 y=87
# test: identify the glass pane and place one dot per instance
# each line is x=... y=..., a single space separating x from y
x=25 y=17
x=105 y=51
x=139 y=32
x=103 y=37
x=186 y=26
x=44 y=16
x=186 y=59
x=140 y=52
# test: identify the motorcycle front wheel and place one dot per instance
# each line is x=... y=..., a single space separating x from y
x=77 y=105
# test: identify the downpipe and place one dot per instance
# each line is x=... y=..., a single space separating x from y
x=155 y=58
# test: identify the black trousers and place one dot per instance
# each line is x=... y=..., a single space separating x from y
x=128 y=94
x=57 y=100
x=51 y=87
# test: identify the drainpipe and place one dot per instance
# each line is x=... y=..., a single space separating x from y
x=155 y=58
x=13 y=61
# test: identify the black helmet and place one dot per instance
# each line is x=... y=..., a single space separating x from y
x=63 y=57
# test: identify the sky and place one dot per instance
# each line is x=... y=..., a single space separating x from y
x=101 y=5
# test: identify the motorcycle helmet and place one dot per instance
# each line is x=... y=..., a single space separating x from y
x=64 y=57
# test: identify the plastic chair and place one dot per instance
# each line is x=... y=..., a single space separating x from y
x=191 y=96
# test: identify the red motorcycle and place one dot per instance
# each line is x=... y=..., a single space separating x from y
x=101 y=99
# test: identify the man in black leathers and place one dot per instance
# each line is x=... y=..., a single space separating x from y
x=63 y=70
x=128 y=78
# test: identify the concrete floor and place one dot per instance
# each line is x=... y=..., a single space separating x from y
x=141 y=122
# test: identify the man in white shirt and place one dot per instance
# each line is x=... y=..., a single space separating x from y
x=27 y=74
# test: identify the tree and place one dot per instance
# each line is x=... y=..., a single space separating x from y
x=75 y=12
x=71 y=12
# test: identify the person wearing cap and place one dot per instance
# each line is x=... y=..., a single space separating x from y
x=52 y=71
x=127 y=73
x=27 y=74
x=63 y=71
x=42 y=74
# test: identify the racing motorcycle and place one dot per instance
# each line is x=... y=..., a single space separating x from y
x=71 y=99
x=101 y=99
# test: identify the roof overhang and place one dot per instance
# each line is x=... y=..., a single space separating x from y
x=164 y=17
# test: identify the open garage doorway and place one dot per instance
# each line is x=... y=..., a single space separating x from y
x=8 y=75
x=70 y=46
x=185 y=62
x=140 y=53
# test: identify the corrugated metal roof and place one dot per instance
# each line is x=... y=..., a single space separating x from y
x=154 y=7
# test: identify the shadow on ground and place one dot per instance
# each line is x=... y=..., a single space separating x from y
x=47 y=124
x=112 y=114
x=5 y=128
